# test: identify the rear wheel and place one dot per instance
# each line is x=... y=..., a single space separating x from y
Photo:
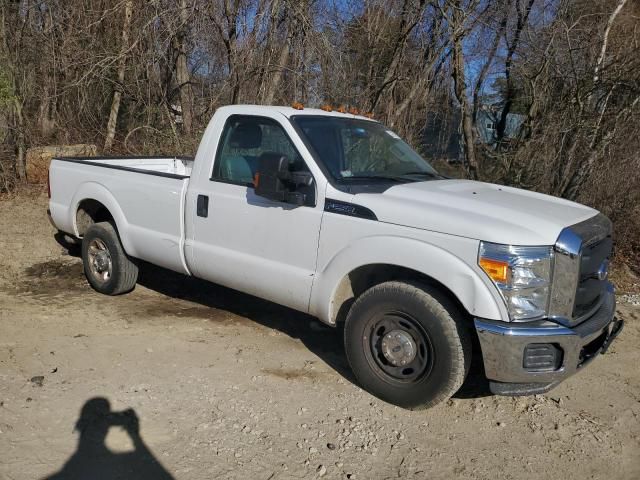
x=407 y=344
x=106 y=265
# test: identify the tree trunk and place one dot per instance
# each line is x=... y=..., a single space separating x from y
x=460 y=88
x=487 y=65
x=122 y=63
x=408 y=22
x=46 y=122
x=46 y=111
x=273 y=85
x=605 y=41
x=20 y=141
x=523 y=19
x=597 y=145
x=182 y=71
x=270 y=39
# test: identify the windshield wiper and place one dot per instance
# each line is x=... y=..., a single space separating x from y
x=426 y=174
x=404 y=177
x=395 y=178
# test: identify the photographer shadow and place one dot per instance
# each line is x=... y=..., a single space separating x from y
x=93 y=459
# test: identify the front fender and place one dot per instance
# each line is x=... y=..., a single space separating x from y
x=468 y=285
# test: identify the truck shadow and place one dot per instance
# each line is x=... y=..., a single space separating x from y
x=476 y=384
x=94 y=460
x=324 y=341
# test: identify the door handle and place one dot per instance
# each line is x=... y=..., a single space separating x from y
x=202 y=207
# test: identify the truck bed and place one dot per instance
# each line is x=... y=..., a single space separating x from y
x=145 y=195
x=166 y=166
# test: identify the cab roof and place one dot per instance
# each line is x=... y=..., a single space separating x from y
x=290 y=111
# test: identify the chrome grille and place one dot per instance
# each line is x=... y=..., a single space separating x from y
x=581 y=259
x=594 y=260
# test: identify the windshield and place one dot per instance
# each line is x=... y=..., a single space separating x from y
x=352 y=149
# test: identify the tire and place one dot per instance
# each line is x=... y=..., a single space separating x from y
x=106 y=265
x=407 y=344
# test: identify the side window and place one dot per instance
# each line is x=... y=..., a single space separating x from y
x=244 y=140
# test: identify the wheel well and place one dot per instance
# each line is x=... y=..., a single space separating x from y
x=91 y=211
x=363 y=278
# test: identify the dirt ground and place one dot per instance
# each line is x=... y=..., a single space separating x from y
x=224 y=385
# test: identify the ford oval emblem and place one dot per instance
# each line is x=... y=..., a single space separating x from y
x=603 y=271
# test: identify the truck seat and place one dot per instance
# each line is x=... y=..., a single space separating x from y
x=238 y=168
x=235 y=166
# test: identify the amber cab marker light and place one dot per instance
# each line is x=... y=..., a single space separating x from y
x=297 y=106
x=342 y=109
x=369 y=115
x=498 y=271
x=354 y=111
x=326 y=108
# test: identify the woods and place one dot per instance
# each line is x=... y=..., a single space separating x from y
x=554 y=84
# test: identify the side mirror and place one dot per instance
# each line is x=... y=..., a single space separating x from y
x=274 y=181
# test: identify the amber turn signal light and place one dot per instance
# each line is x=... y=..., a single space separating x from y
x=497 y=270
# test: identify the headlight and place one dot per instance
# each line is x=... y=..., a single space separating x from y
x=522 y=275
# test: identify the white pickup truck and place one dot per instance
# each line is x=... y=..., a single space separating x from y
x=334 y=215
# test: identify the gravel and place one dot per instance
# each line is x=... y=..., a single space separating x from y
x=631 y=299
x=237 y=388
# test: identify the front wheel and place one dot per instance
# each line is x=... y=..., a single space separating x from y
x=106 y=265
x=407 y=344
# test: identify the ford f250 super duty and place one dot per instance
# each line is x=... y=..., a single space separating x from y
x=333 y=214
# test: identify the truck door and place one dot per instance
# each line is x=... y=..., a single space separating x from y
x=246 y=242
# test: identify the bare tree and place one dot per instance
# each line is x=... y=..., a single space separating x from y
x=521 y=22
x=122 y=63
x=144 y=69
x=283 y=56
x=183 y=76
x=456 y=18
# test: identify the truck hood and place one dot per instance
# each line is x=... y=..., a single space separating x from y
x=482 y=211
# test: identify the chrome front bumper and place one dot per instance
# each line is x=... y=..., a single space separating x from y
x=503 y=348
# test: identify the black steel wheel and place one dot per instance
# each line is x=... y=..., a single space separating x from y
x=408 y=344
x=399 y=347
